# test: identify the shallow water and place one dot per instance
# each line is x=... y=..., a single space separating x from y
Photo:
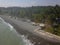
x=9 y=36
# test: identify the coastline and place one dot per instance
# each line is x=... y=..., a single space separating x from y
x=33 y=38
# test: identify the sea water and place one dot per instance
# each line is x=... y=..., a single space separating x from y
x=9 y=36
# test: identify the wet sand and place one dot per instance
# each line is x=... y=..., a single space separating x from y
x=32 y=37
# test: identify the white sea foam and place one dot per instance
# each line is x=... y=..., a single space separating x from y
x=1 y=20
x=24 y=38
x=11 y=27
x=26 y=41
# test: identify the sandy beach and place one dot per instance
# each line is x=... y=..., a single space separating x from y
x=36 y=40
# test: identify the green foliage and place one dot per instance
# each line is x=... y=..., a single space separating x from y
x=22 y=13
x=49 y=29
x=38 y=17
x=38 y=14
x=53 y=16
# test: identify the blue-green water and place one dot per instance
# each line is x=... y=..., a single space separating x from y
x=9 y=36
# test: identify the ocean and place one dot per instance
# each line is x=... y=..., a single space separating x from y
x=9 y=36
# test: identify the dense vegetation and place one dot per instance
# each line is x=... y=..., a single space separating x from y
x=50 y=15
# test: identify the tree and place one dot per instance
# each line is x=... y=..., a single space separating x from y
x=54 y=14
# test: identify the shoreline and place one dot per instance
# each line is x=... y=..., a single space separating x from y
x=33 y=38
x=29 y=35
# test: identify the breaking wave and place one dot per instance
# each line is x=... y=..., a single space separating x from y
x=26 y=41
x=24 y=38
